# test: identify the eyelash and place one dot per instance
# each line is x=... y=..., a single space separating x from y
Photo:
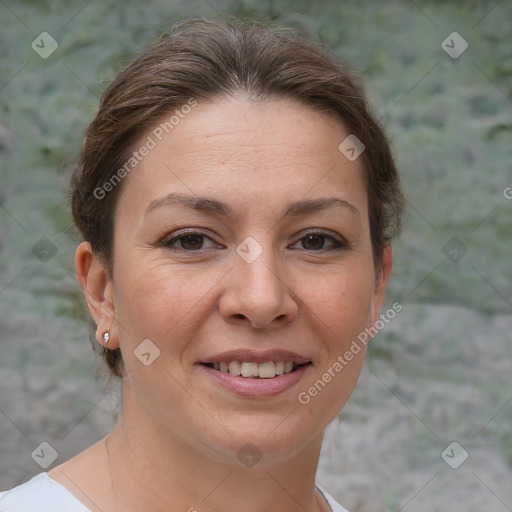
x=338 y=245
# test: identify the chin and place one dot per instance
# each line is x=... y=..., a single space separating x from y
x=265 y=438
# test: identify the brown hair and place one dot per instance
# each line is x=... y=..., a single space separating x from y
x=206 y=59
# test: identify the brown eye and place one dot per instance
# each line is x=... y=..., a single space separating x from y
x=189 y=242
x=313 y=242
x=319 y=241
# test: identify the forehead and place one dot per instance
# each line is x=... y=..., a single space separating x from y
x=274 y=150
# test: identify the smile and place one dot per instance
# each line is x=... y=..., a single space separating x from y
x=256 y=380
x=265 y=370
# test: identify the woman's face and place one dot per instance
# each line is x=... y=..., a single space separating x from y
x=243 y=230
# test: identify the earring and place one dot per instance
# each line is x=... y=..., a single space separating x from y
x=106 y=337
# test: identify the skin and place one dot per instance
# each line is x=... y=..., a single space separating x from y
x=179 y=432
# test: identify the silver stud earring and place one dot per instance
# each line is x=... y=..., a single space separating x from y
x=106 y=337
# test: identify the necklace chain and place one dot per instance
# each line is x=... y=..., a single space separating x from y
x=107 y=447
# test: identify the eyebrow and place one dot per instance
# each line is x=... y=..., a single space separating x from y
x=217 y=208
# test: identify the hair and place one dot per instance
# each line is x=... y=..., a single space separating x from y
x=204 y=59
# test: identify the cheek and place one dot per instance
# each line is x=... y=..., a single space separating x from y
x=155 y=300
x=340 y=309
x=341 y=301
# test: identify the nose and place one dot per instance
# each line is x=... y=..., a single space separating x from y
x=257 y=294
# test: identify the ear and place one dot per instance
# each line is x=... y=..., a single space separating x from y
x=99 y=292
x=381 y=283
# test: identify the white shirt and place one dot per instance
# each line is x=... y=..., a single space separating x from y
x=43 y=494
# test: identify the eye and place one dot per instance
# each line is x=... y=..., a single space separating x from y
x=194 y=241
x=319 y=241
x=191 y=241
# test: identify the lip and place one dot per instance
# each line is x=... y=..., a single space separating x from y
x=256 y=387
x=253 y=356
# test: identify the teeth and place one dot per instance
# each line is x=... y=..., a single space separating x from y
x=235 y=368
x=265 y=370
x=250 y=369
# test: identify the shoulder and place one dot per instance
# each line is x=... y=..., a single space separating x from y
x=40 y=494
x=335 y=506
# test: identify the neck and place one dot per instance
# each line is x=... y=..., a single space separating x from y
x=152 y=468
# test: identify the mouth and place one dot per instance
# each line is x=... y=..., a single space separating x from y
x=256 y=380
x=256 y=370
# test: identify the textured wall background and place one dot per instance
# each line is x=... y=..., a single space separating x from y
x=440 y=371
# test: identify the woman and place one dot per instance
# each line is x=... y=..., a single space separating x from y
x=237 y=202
